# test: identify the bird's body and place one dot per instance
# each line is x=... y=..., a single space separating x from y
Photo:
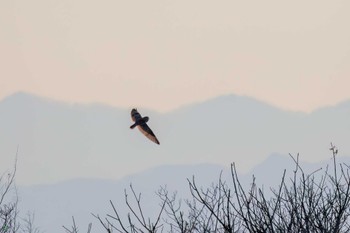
x=140 y=122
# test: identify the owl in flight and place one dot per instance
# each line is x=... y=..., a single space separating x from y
x=140 y=122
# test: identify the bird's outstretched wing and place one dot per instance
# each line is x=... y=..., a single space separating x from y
x=148 y=132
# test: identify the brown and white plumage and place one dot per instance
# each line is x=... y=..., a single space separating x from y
x=141 y=124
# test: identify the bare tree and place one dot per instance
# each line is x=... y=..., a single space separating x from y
x=178 y=219
x=28 y=225
x=309 y=203
x=216 y=211
x=10 y=221
x=136 y=220
x=318 y=201
x=74 y=228
x=8 y=206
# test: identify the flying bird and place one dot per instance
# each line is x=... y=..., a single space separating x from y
x=140 y=122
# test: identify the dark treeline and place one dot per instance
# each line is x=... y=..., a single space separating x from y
x=306 y=202
x=317 y=201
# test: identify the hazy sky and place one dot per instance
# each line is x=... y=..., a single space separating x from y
x=163 y=54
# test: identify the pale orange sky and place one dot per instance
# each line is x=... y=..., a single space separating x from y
x=163 y=54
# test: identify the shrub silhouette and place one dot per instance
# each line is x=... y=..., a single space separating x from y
x=10 y=222
x=307 y=202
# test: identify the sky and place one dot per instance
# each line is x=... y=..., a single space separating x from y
x=163 y=54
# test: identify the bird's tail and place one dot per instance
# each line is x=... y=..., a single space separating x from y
x=133 y=126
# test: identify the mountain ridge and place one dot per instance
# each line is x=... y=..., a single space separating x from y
x=27 y=95
x=64 y=141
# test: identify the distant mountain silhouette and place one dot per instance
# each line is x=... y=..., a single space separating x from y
x=59 y=141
